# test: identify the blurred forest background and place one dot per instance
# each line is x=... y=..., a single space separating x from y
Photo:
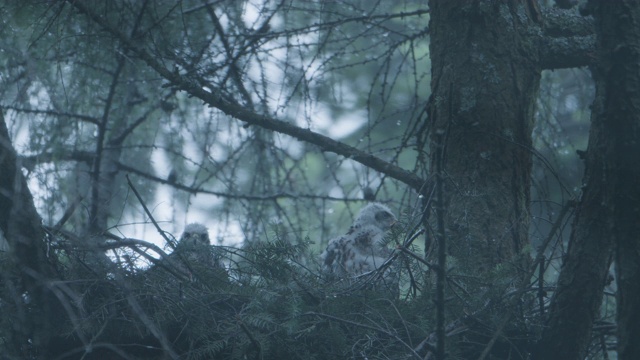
x=271 y=123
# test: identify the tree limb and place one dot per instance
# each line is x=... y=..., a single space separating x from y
x=216 y=99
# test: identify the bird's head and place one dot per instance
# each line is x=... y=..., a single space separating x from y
x=195 y=234
x=377 y=215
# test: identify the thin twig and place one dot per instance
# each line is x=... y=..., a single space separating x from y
x=146 y=210
x=495 y=336
x=67 y=214
x=252 y=338
x=410 y=253
x=364 y=326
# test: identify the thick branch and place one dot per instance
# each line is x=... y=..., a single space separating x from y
x=571 y=52
x=230 y=107
x=568 y=40
x=563 y=23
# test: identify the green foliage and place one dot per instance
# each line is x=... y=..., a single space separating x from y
x=268 y=301
x=319 y=65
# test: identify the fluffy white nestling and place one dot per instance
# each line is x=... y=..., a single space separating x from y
x=362 y=248
x=194 y=234
x=195 y=250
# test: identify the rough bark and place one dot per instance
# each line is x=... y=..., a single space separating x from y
x=607 y=217
x=575 y=303
x=619 y=37
x=485 y=79
x=567 y=41
x=26 y=284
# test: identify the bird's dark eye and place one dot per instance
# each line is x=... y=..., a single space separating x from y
x=383 y=215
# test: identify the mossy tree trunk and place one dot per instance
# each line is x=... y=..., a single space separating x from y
x=485 y=81
x=619 y=32
x=485 y=78
x=25 y=280
x=609 y=212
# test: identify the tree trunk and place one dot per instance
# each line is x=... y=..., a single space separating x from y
x=609 y=212
x=576 y=301
x=485 y=80
x=619 y=37
x=26 y=287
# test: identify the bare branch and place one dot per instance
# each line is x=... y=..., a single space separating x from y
x=216 y=99
x=86 y=118
x=146 y=210
x=365 y=326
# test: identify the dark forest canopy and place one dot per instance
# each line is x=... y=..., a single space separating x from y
x=171 y=173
